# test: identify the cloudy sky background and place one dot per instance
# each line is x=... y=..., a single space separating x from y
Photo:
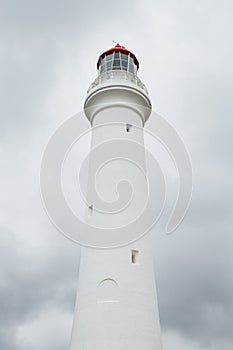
x=48 y=51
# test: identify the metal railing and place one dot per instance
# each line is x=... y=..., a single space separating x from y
x=117 y=74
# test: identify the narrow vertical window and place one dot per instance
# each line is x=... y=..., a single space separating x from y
x=134 y=256
x=128 y=127
x=90 y=209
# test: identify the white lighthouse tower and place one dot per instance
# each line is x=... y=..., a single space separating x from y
x=116 y=306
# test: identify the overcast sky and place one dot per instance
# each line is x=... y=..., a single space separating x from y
x=48 y=52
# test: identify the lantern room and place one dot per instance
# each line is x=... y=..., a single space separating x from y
x=118 y=58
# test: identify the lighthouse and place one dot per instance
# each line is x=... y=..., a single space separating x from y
x=116 y=305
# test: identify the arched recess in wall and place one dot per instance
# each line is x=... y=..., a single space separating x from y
x=108 y=290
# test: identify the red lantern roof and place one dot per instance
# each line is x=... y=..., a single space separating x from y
x=118 y=48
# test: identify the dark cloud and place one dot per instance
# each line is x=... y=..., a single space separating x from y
x=33 y=282
x=194 y=285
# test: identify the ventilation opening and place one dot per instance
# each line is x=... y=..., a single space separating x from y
x=134 y=256
x=128 y=127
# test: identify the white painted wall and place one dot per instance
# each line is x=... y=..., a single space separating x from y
x=116 y=307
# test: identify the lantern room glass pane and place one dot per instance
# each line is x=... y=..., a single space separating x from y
x=109 y=65
x=131 y=68
x=124 y=63
x=131 y=60
x=102 y=68
x=124 y=56
x=109 y=57
x=116 y=63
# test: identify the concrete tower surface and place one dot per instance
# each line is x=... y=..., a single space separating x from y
x=116 y=306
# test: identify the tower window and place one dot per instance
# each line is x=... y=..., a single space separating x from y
x=128 y=127
x=90 y=209
x=134 y=256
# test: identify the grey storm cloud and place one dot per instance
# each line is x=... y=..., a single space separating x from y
x=48 y=53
